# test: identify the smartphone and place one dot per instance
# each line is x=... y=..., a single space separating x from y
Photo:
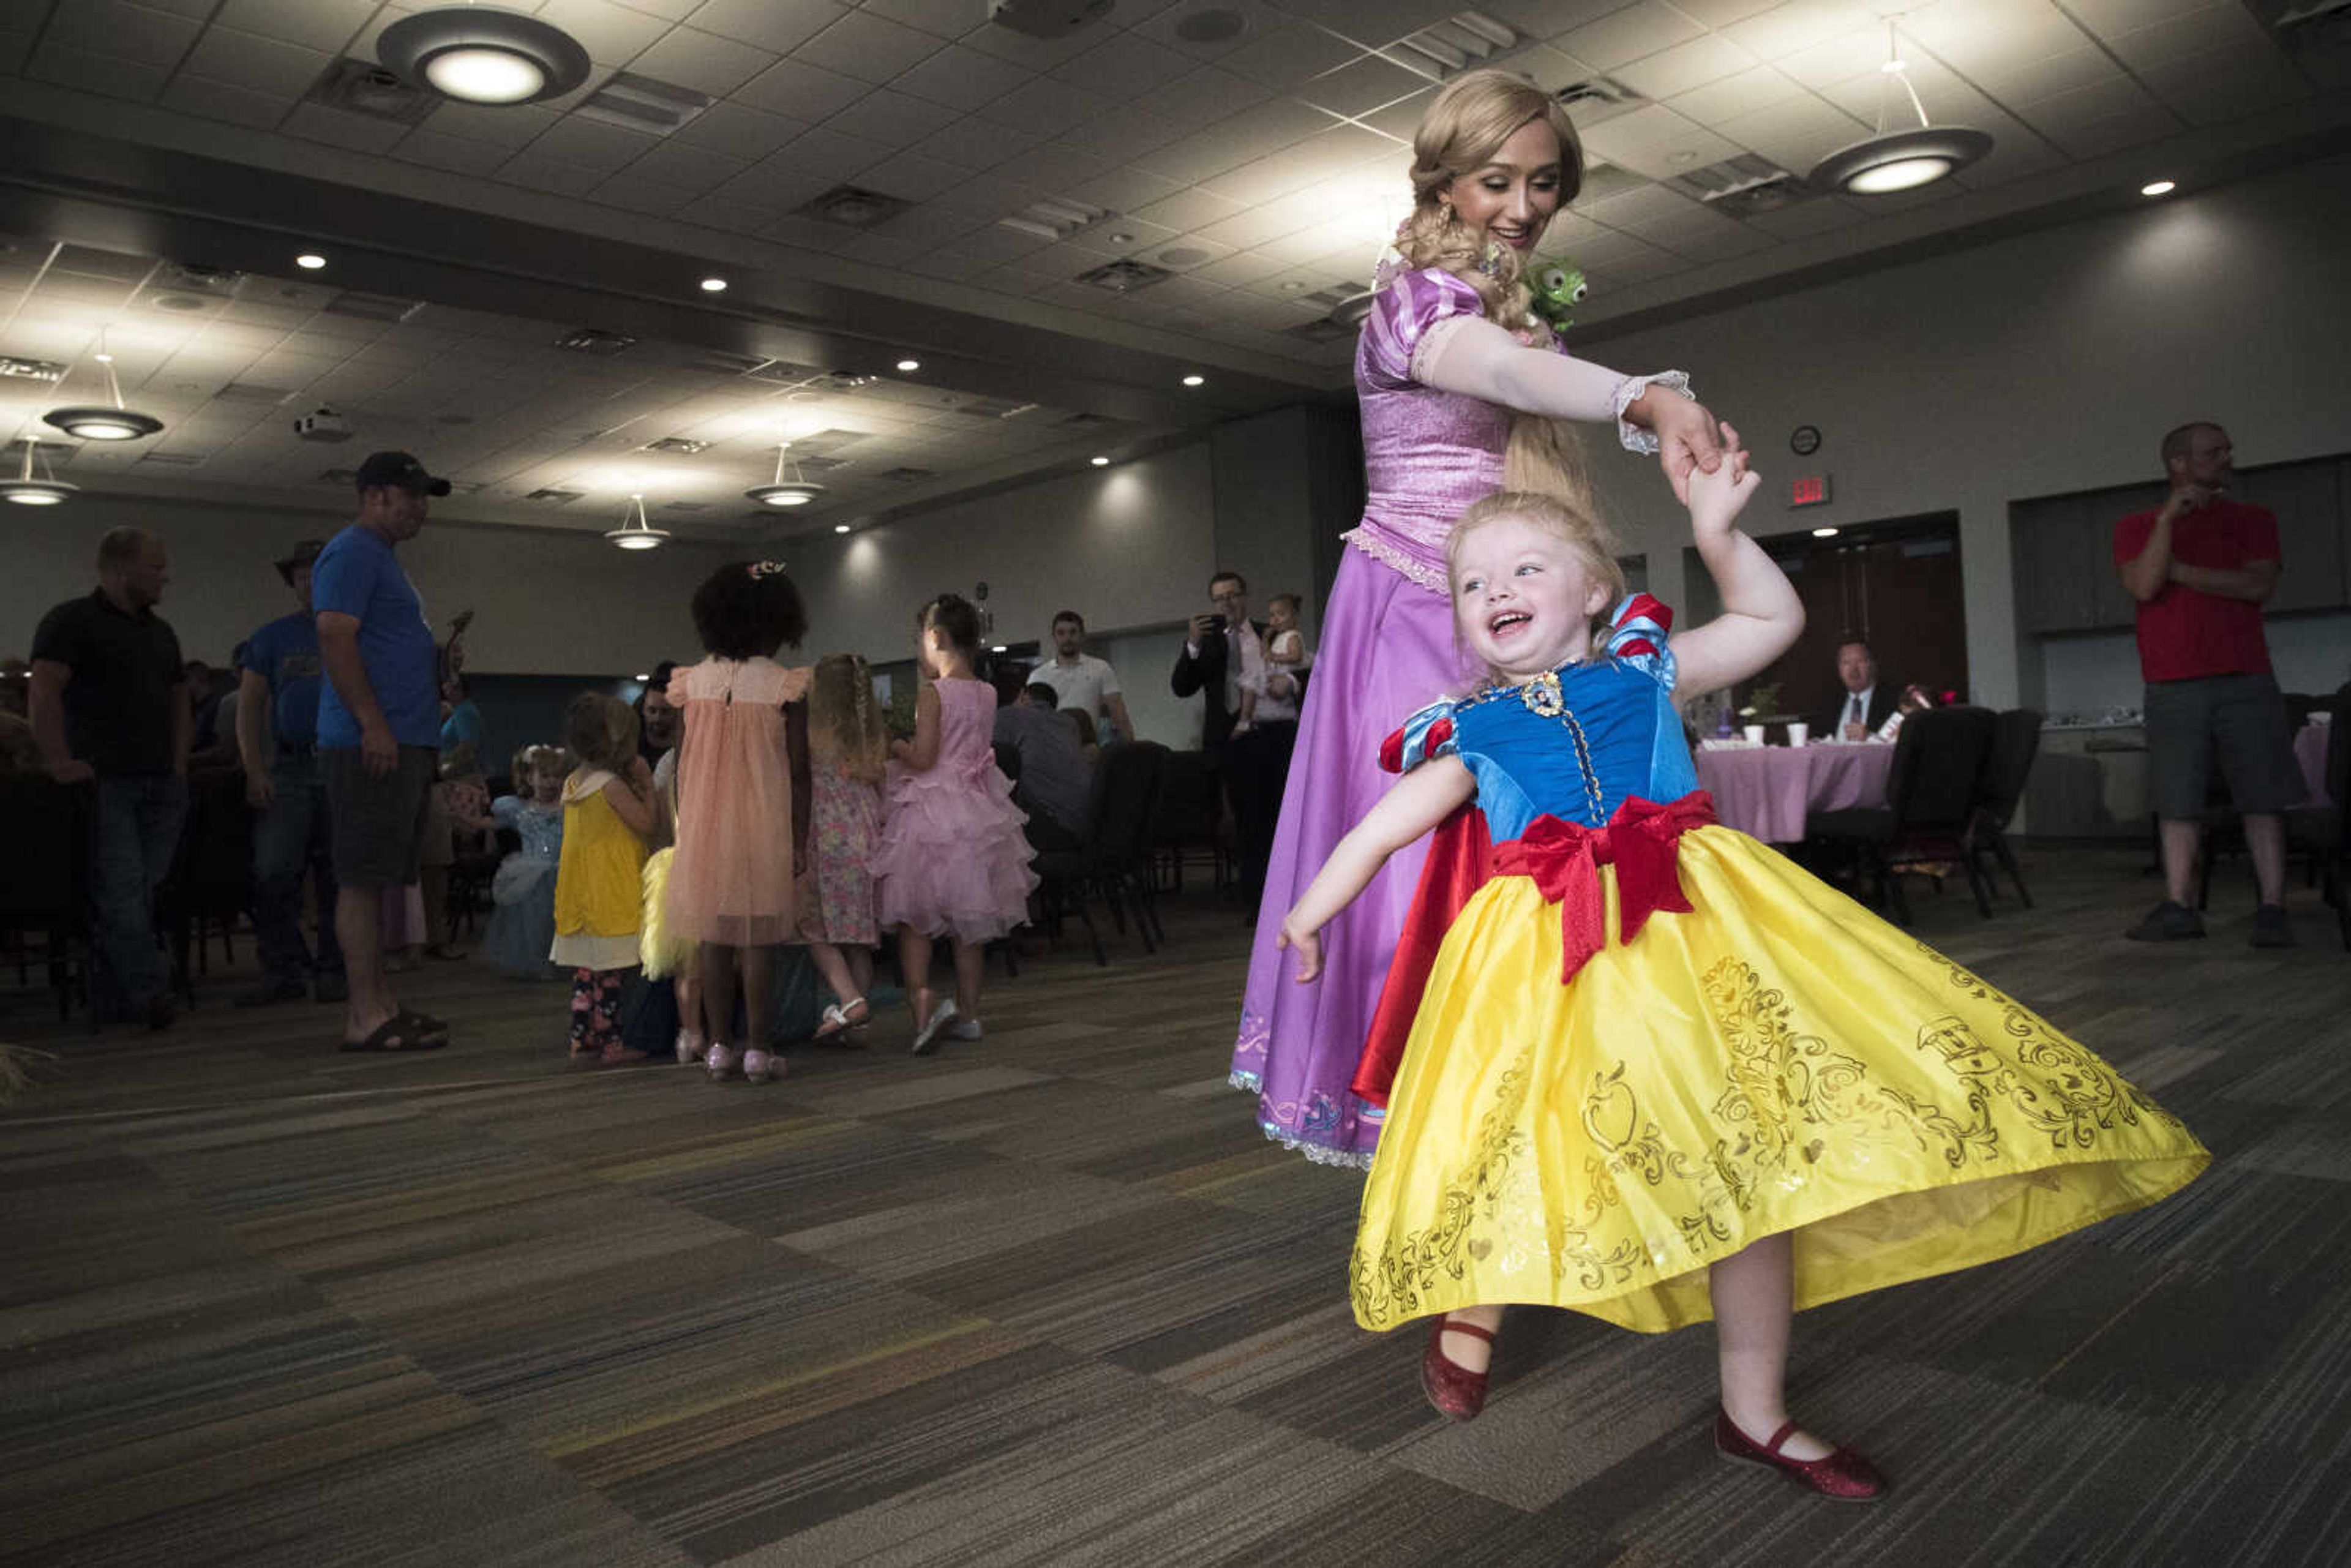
x=1216 y=623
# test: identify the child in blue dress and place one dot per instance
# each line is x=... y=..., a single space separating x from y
x=1649 y=1069
x=522 y=893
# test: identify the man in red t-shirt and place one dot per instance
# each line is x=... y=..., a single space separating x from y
x=2201 y=566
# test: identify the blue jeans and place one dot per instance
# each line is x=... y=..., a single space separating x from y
x=139 y=822
x=289 y=839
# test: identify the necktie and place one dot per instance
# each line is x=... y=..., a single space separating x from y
x=1852 y=711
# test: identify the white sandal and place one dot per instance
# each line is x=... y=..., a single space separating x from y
x=838 y=1021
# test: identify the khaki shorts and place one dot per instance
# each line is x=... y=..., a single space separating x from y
x=378 y=823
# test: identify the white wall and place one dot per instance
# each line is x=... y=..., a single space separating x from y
x=546 y=603
x=2038 y=365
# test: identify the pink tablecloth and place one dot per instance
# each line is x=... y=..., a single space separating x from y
x=1766 y=792
x=2310 y=751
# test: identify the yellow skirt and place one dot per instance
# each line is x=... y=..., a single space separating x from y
x=1780 y=1058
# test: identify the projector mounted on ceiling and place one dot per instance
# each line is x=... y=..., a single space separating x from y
x=1047 y=18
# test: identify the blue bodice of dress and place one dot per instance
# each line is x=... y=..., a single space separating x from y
x=1574 y=745
x=540 y=827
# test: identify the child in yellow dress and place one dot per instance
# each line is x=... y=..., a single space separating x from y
x=609 y=814
x=1650 y=1070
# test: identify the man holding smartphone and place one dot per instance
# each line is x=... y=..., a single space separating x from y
x=2200 y=566
x=1222 y=648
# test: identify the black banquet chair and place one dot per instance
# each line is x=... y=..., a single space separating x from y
x=45 y=840
x=1930 y=800
x=2318 y=831
x=2015 y=742
x=1113 y=857
x=210 y=885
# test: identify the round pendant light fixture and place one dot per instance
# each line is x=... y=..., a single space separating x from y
x=1887 y=162
x=104 y=422
x=478 y=53
x=28 y=491
x=635 y=532
x=793 y=492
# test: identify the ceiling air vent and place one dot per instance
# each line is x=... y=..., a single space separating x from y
x=169 y=460
x=816 y=464
x=182 y=304
x=1459 y=41
x=553 y=497
x=31 y=369
x=1745 y=185
x=596 y=341
x=852 y=207
x=908 y=475
x=1596 y=90
x=363 y=87
x=1124 y=275
x=676 y=444
x=687 y=506
x=1054 y=220
x=1768 y=195
x=372 y=307
x=249 y=392
x=640 y=104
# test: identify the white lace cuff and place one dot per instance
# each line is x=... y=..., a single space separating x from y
x=1629 y=391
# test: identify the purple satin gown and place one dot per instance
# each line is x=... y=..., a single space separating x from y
x=1386 y=649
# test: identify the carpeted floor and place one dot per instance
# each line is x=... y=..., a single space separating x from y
x=1052 y=1299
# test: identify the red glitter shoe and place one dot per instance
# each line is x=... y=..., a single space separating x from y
x=1839 y=1475
x=1457 y=1392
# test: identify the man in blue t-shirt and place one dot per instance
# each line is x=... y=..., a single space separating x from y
x=379 y=734
x=276 y=738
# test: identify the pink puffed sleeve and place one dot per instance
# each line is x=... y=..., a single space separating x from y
x=1402 y=317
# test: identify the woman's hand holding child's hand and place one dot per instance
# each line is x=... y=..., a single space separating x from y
x=1308 y=940
x=1716 y=499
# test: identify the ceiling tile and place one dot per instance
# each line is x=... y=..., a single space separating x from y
x=1635 y=33
x=780 y=25
x=945 y=19
x=828 y=152
x=1125 y=65
x=124 y=31
x=914 y=177
x=976 y=144
x=1052 y=166
x=703 y=62
x=1360 y=88
x=1256 y=228
x=317 y=122
x=737 y=131
x=591 y=144
x=774 y=187
x=963 y=77
x=1774 y=35
x=1045 y=106
x=1741 y=94
x=2226 y=84
x=889 y=118
x=2190 y=34
x=1237 y=269
x=692 y=170
x=2047 y=76
x=1257 y=21
x=931 y=227
x=1243 y=139
x=1122 y=190
x=654 y=196
x=214 y=101
x=1795 y=134
x=1402 y=118
x=800 y=90
x=1658 y=142
x=2100 y=101
x=1036 y=54
x=1320 y=160
x=543 y=173
x=453 y=153
x=1820 y=215
x=1859 y=51
x=1549 y=18
x=108 y=74
x=1188 y=210
x=1289 y=55
x=867 y=47
x=2095 y=138
x=257 y=64
x=1684 y=66
x=988 y=196
x=512 y=126
x=1721 y=12
x=613 y=35
x=327 y=25
x=2106 y=17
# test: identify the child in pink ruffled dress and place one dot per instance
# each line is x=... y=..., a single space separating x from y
x=730 y=883
x=954 y=862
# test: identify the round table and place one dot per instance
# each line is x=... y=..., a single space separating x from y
x=1767 y=791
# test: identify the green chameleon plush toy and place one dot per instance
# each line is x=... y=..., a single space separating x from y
x=1558 y=287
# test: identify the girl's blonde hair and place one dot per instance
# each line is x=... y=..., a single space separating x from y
x=1575 y=525
x=844 y=723
x=532 y=760
x=602 y=730
x=1463 y=131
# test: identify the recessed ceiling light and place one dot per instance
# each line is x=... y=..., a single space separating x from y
x=309 y=261
x=1825 y=533
x=714 y=285
x=841 y=528
x=1100 y=462
x=2158 y=188
x=909 y=365
x=1196 y=381
x=484 y=55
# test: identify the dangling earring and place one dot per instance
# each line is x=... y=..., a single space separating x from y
x=1490 y=264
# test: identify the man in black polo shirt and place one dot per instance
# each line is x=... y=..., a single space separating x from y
x=109 y=703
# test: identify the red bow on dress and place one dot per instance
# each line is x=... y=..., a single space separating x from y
x=1564 y=859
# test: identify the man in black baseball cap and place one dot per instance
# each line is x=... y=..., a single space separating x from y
x=379 y=734
x=402 y=471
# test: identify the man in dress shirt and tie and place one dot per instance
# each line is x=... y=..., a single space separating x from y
x=1221 y=648
x=1867 y=702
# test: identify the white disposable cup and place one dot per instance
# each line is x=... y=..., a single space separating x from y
x=1754 y=734
x=1798 y=734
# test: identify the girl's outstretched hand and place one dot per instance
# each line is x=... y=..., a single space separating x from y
x=1717 y=498
x=1309 y=943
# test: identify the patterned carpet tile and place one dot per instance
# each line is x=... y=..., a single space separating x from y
x=948 y=1207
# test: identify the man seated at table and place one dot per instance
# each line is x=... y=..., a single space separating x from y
x=1867 y=702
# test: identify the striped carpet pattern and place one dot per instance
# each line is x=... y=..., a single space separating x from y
x=1051 y=1299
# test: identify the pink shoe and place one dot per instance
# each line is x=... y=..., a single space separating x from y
x=759 y=1066
x=690 y=1047
x=722 y=1060
x=1841 y=1475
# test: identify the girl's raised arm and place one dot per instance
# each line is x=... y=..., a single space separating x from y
x=1761 y=616
x=1421 y=798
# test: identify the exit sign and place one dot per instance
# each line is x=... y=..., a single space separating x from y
x=1811 y=490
